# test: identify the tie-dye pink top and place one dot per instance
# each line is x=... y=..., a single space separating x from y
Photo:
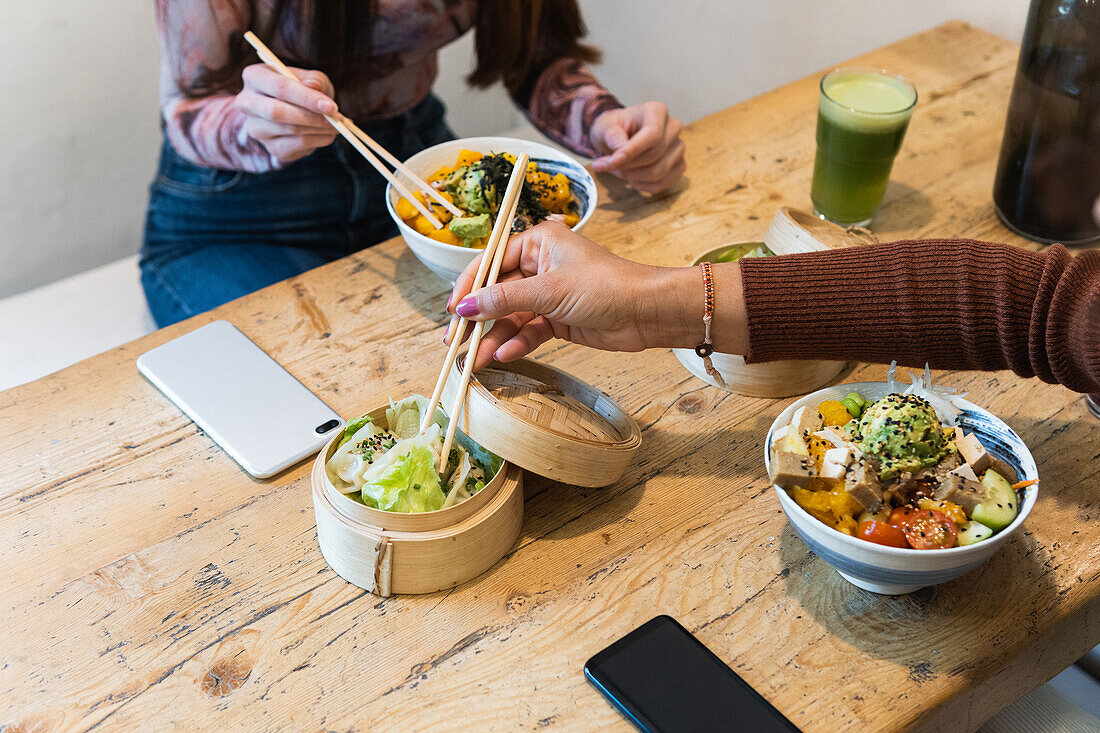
x=194 y=37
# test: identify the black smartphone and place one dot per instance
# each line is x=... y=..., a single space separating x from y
x=664 y=681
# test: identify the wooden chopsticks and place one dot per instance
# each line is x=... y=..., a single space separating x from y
x=487 y=274
x=357 y=138
x=402 y=168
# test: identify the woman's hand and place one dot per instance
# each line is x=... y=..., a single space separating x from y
x=556 y=283
x=287 y=116
x=641 y=145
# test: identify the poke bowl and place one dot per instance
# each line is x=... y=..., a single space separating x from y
x=448 y=259
x=894 y=570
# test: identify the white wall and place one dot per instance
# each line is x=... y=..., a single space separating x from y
x=700 y=56
x=79 y=110
x=79 y=125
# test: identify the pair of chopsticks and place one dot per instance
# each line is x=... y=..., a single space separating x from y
x=357 y=138
x=487 y=273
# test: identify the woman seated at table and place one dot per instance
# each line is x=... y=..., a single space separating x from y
x=251 y=189
x=956 y=304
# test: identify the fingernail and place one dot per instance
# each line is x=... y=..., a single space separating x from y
x=467 y=307
x=326 y=106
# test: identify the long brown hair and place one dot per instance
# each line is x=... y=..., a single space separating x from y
x=339 y=36
x=513 y=39
x=516 y=38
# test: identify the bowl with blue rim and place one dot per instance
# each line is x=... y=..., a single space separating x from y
x=894 y=570
x=449 y=260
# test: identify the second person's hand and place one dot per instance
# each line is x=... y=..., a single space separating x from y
x=557 y=284
x=641 y=145
x=284 y=115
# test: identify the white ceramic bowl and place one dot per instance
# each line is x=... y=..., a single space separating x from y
x=766 y=379
x=449 y=260
x=893 y=570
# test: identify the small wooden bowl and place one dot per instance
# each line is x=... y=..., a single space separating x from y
x=396 y=552
x=546 y=421
x=767 y=379
x=793 y=231
x=790 y=232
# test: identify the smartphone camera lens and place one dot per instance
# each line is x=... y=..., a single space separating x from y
x=326 y=426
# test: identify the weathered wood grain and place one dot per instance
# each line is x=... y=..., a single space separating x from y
x=148 y=582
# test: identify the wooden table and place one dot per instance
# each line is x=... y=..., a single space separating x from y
x=148 y=582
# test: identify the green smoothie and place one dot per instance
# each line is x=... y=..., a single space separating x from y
x=861 y=120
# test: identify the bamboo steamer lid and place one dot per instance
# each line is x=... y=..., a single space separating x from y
x=394 y=552
x=793 y=231
x=547 y=421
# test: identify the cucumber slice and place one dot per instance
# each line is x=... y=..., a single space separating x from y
x=972 y=532
x=999 y=507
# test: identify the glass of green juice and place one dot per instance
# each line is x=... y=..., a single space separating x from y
x=862 y=115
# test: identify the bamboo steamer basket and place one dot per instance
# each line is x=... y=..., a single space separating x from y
x=394 y=552
x=790 y=232
x=547 y=421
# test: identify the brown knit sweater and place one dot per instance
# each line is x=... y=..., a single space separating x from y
x=955 y=304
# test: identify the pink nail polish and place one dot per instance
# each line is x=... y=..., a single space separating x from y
x=467 y=307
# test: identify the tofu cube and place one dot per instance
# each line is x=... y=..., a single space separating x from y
x=862 y=484
x=806 y=421
x=1004 y=469
x=958 y=490
x=836 y=461
x=972 y=451
x=789 y=470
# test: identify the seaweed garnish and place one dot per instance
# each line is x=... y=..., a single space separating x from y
x=498 y=169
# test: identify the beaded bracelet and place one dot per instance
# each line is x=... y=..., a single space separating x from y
x=705 y=349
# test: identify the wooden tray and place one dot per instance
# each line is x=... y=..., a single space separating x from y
x=547 y=421
x=394 y=552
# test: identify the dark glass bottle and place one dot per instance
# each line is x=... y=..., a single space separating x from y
x=1048 y=177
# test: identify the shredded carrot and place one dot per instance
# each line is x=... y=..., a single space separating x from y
x=1024 y=484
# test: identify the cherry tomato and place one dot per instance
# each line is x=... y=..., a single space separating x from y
x=925 y=529
x=881 y=533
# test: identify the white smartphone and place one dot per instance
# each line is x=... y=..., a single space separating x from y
x=263 y=417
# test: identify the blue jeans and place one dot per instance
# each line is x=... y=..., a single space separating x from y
x=213 y=235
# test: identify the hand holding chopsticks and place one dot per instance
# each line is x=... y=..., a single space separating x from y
x=360 y=140
x=487 y=273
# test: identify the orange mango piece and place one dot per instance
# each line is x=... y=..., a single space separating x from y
x=818 y=446
x=446 y=236
x=466 y=157
x=434 y=206
x=833 y=412
x=441 y=174
x=843 y=505
x=405 y=209
x=422 y=225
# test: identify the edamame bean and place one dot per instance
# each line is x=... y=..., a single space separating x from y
x=857 y=398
